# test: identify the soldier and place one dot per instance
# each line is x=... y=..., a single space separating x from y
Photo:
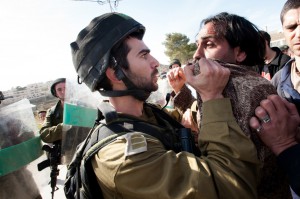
x=19 y=148
x=110 y=56
x=175 y=63
x=51 y=130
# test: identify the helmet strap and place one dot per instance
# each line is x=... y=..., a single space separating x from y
x=138 y=94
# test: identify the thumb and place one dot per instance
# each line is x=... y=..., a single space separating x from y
x=189 y=74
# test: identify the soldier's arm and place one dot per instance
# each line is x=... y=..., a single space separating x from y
x=228 y=168
x=50 y=133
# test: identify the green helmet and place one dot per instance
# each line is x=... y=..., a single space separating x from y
x=175 y=61
x=91 y=50
x=52 y=88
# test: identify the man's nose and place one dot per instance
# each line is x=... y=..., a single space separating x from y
x=154 y=62
x=198 y=53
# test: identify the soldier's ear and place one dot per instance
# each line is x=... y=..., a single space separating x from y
x=110 y=73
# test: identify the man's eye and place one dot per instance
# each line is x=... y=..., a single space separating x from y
x=291 y=27
x=209 y=44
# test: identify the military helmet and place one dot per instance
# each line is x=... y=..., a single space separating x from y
x=175 y=61
x=52 y=88
x=91 y=50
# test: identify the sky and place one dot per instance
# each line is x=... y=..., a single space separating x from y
x=35 y=35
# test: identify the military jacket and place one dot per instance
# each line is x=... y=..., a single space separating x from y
x=137 y=165
x=51 y=130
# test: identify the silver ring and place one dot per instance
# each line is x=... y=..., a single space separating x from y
x=258 y=130
x=266 y=119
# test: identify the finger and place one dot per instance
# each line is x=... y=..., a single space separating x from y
x=181 y=75
x=285 y=108
x=290 y=107
x=277 y=101
x=170 y=75
x=275 y=105
x=204 y=65
x=177 y=72
x=260 y=112
x=188 y=71
x=268 y=107
x=254 y=123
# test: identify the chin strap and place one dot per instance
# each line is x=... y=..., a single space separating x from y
x=138 y=94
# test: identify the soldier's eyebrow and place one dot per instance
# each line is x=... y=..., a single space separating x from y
x=144 y=51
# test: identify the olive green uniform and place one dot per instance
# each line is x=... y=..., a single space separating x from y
x=138 y=166
x=51 y=130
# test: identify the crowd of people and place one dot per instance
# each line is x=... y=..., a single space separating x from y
x=243 y=124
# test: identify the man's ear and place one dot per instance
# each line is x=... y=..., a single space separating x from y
x=240 y=55
x=110 y=73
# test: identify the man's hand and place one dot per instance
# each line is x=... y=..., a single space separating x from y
x=280 y=132
x=176 y=79
x=211 y=81
x=187 y=120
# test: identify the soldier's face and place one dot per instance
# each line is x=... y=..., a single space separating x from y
x=60 y=90
x=142 y=66
x=42 y=116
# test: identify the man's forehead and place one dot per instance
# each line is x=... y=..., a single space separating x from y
x=292 y=16
x=207 y=30
x=136 y=46
x=60 y=85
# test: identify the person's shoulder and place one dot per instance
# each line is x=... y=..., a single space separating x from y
x=130 y=144
x=276 y=78
x=280 y=53
x=285 y=58
x=283 y=55
x=277 y=50
x=52 y=109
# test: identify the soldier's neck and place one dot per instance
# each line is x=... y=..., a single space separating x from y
x=128 y=105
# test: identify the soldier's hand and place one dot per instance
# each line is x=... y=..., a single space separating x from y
x=211 y=80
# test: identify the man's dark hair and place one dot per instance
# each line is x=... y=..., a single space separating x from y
x=289 y=4
x=238 y=31
x=266 y=36
x=118 y=56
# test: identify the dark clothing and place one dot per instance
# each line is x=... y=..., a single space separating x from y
x=275 y=65
x=289 y=161
x=246 y=90
x=51 y=130
x=184 y=100
x=283 y=84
